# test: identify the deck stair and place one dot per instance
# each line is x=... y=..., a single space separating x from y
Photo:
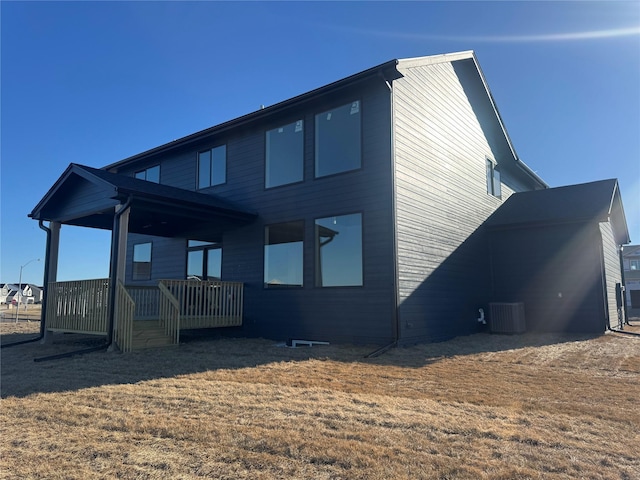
x=149 y=334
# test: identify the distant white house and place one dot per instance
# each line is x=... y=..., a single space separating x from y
x=27 y=293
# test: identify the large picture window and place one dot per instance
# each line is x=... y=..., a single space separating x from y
x=212 y=167
x=285 y=155
x=204 y=260
x=339 y=251
x=283 y=252
x=142 y=261
x=338 y=143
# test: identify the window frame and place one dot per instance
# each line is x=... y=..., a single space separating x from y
x=211 y=164
x=362 y=252
x=275 y=286
x=316 y=135
x=301 y=159
x=203 y=247
x=145 y=171
x=134 y=274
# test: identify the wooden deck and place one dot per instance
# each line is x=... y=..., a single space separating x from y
x=145 y=316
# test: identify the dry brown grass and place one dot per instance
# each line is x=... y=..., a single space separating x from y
x=482 y=406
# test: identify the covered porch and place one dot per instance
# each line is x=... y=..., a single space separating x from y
x=134 y=316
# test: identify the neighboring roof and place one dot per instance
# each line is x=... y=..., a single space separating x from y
x=631 y=251
x=157 y=209
x=587 y=202
x=387 y=71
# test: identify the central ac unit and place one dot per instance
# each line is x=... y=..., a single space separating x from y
x=507 y=318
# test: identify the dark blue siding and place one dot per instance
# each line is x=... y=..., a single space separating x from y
x=556 y=271
x=350 y=314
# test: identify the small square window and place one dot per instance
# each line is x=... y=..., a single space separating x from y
x=212 y=167
x=142 y=261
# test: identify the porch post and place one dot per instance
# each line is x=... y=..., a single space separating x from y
x=51 y=273
x=118 y=265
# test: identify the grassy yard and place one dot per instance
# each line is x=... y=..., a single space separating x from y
x=483 y=406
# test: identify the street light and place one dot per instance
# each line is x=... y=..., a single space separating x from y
x=20 y=286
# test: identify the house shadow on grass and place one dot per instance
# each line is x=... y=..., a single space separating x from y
x=21 y=376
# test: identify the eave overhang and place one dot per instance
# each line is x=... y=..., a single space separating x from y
x=86 y=196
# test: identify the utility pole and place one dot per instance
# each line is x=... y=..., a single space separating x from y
x=20 y=289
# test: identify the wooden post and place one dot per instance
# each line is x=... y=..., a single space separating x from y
x=51 y=259
x=118 y=263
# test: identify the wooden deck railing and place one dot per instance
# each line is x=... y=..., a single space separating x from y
x=82 y=307
x=147 y=301
x=125 y=309
x=207 y=304
x=79 y=306
x=169 y=313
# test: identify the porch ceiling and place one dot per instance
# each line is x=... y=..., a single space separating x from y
x=87 y=197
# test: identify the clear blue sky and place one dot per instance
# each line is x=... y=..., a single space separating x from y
x=93 y=83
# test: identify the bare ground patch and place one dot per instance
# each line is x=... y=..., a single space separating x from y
x=484 y=406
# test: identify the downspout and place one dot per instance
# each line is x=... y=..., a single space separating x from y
x=112 y=291
x=45 y=292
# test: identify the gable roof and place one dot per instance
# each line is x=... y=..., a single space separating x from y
x=157 y=209
x=587 y=202
x=388 y=72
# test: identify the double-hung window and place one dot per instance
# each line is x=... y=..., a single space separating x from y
x=212 y=167
x=284 y=155
x=338 y=141
x=494 y=186
x=151 y=174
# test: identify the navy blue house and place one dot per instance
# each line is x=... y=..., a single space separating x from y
x=351 y=213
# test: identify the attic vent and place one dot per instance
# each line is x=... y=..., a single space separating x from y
x=507 y=318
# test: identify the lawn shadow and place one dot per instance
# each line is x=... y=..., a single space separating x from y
x=21 y=376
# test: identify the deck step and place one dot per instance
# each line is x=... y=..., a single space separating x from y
x=149 y=334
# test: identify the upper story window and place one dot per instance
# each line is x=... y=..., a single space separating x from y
x=212 y=167
x=338 y=140
x=494 y=187
x=285 y=155
x=151 y=174
x=283 y=254
x=634 y=265
x=339 y=251
x=142 y=261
